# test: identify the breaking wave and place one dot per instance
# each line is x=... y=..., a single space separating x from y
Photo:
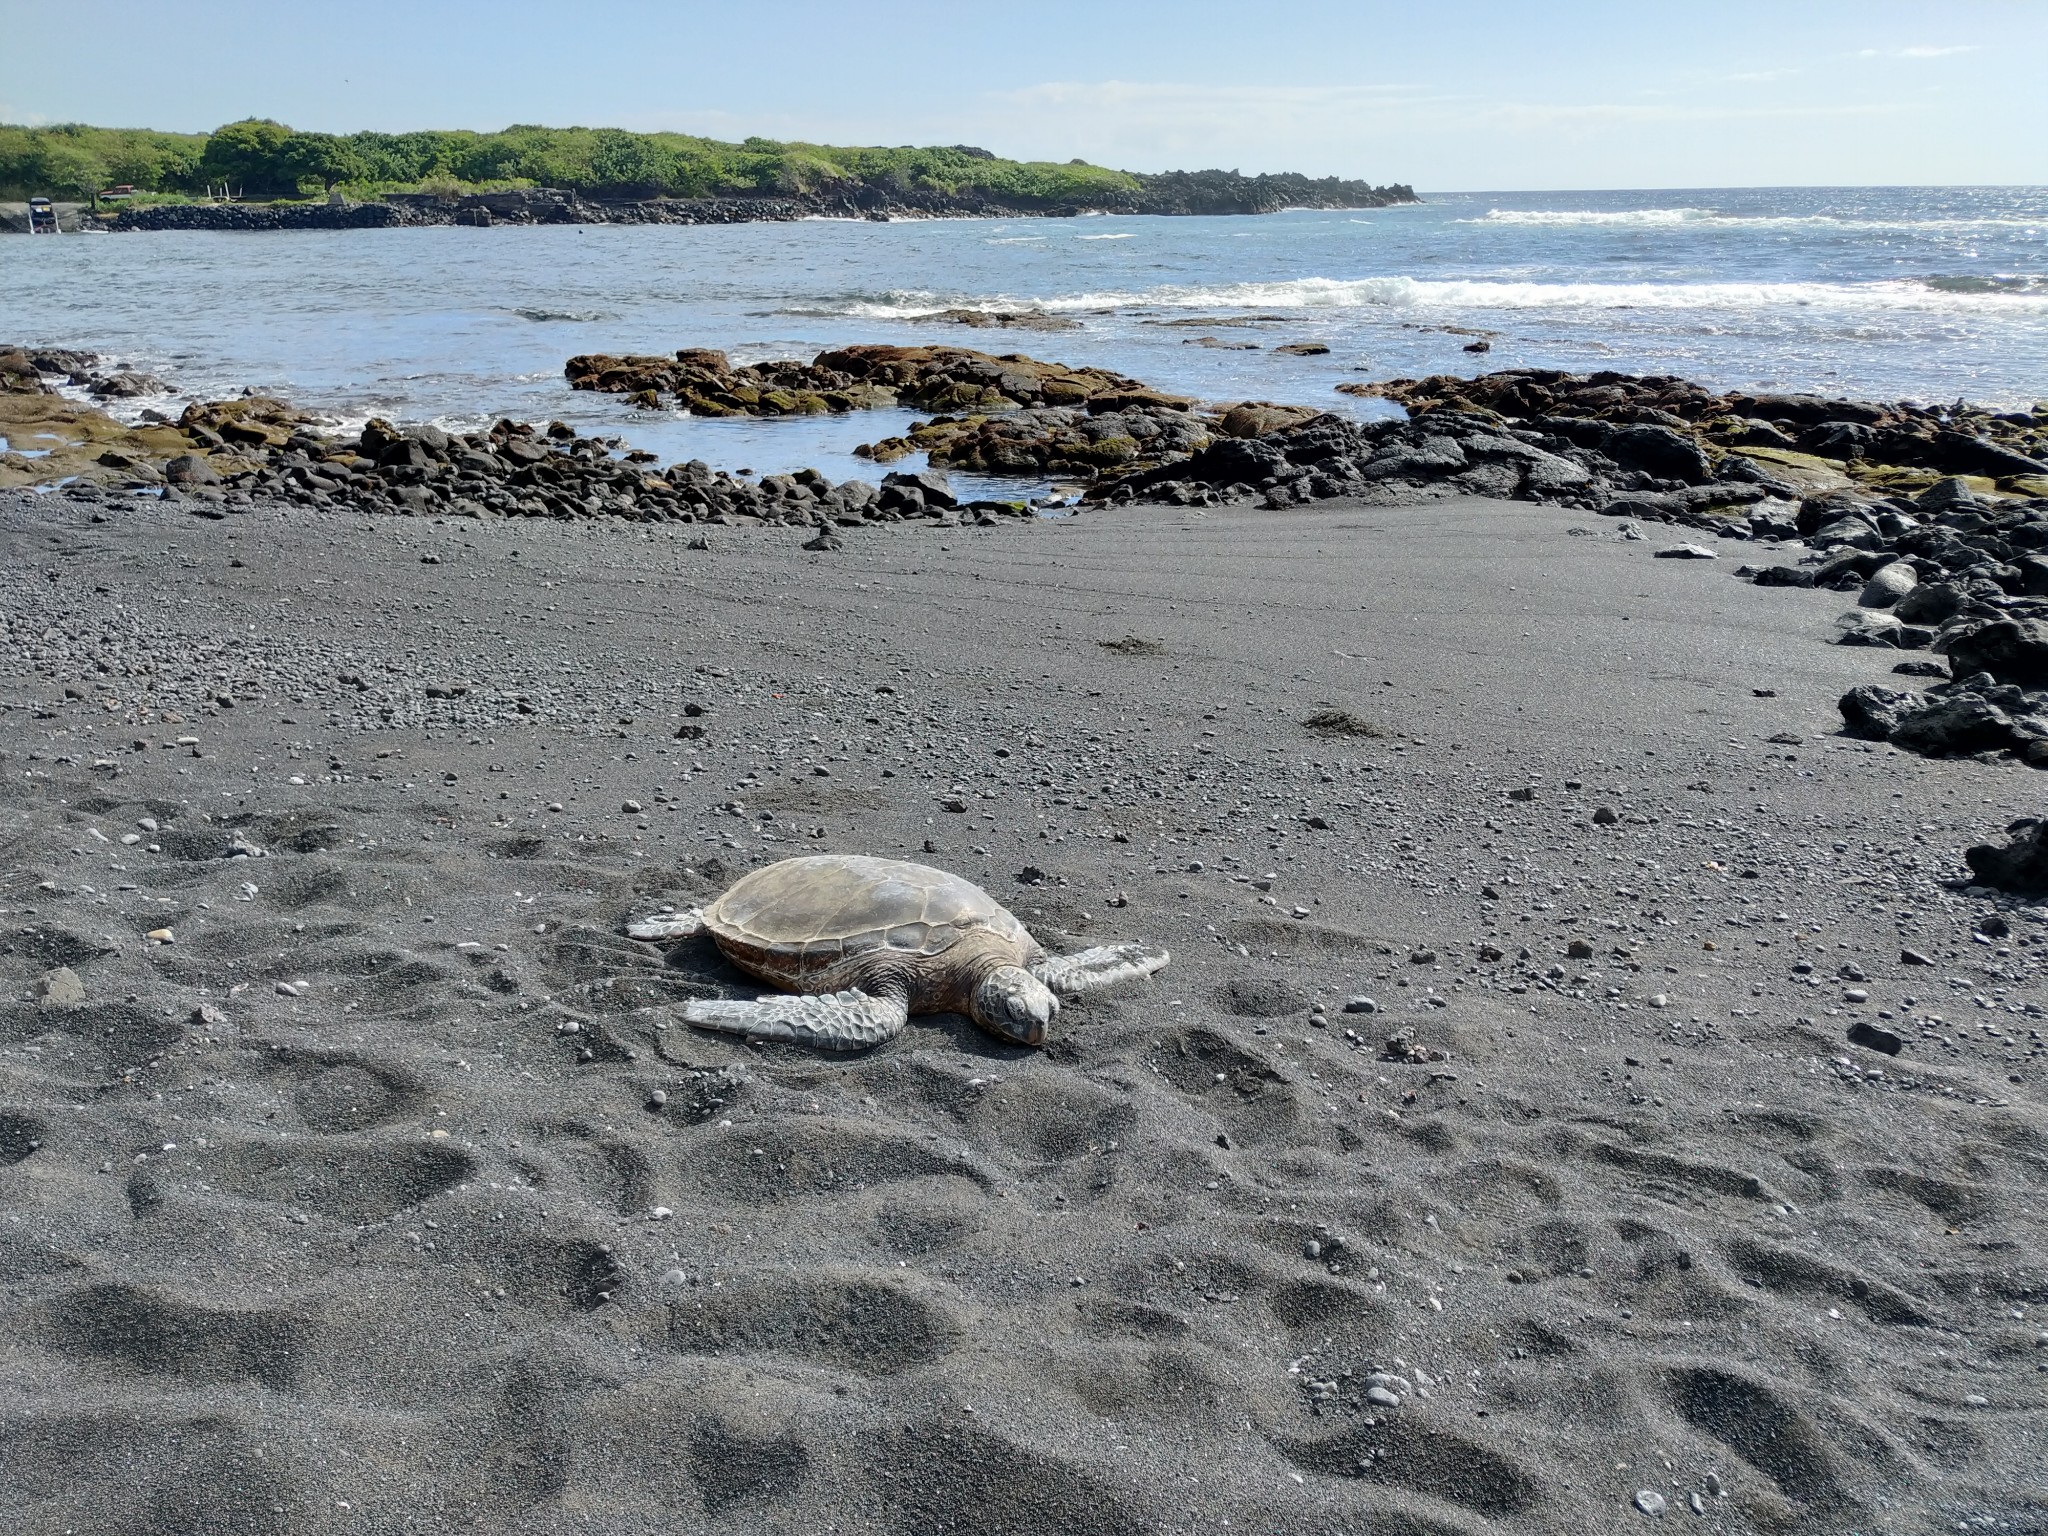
x=1931 y=294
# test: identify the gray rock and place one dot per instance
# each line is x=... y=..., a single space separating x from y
x=1946 y=494
x=2020 y=867
x=1784 y=576
x=1930 y=602
x=1887 y=584
x=60 y=990
x=1856 y=532
x=190 y=469
x=1650 y=1501
x=1687 y=552
x=1658 y=451
x=931 y=486
x=1868 y=626
x=1957 y=726
x=2011 y=650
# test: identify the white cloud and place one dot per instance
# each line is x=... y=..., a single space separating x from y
x=1919 y=51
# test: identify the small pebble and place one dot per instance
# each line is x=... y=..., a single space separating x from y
x=1650 y=1501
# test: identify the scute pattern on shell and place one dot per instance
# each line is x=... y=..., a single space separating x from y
x=794 y=920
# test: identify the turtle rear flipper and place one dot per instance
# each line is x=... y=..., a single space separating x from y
x=1093 y=970
x=667 y=927
x=838 y=1021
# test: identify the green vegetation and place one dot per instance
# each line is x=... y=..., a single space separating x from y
x=257 y=158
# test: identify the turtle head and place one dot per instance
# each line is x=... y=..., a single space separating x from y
x=1014 y=1004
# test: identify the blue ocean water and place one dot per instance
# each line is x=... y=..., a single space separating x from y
x=1900 y=293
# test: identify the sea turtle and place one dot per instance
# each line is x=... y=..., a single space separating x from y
x=864 y=943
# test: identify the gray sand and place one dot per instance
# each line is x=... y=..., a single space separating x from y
x=350 y=1210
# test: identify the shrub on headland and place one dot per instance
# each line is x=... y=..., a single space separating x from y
x=259 y=158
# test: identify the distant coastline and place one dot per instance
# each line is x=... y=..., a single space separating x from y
x=261 y=175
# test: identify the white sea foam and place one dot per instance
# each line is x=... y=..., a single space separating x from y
x=1696 y=218
x=1653 y=217
x=1103 y=237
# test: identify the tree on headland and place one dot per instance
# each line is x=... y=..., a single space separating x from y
x=73 y=168
x=320 y=161
x=249 y=155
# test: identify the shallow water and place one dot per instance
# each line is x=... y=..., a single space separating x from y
x=1885 y=293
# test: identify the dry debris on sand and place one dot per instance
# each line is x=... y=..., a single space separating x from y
x=1494 y=1155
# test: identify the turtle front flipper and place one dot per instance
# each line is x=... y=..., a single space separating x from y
x=1093 y=970
x=667 y=927
x=838 y=1021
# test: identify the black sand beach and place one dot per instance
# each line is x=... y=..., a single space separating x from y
x=387 y=1193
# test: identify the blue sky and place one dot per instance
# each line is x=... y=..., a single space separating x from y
x=1446 y=94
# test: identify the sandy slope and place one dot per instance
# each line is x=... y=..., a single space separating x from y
x=323 y=1218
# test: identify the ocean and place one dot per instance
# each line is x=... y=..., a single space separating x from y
x=1882 y=293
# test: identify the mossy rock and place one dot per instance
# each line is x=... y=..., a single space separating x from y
x=1104 y=451
x=1806 y=471
x=2025 y=485
x=1901 y=480
x=249 y=434
x=709 y=405
x=1067 y=391
x=72 y=439
x=887 y=451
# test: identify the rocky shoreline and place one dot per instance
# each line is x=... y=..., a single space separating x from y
x=1937 y=520
x=1176 y=194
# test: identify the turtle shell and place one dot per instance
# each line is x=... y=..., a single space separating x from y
x=820 y=923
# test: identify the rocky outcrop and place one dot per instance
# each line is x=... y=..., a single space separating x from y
x=1079 y=442
x=220 y=456
x=1383 y=462
x=1672 y=426
x=1957 y=575
x=706 y=383
x=37 y=371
